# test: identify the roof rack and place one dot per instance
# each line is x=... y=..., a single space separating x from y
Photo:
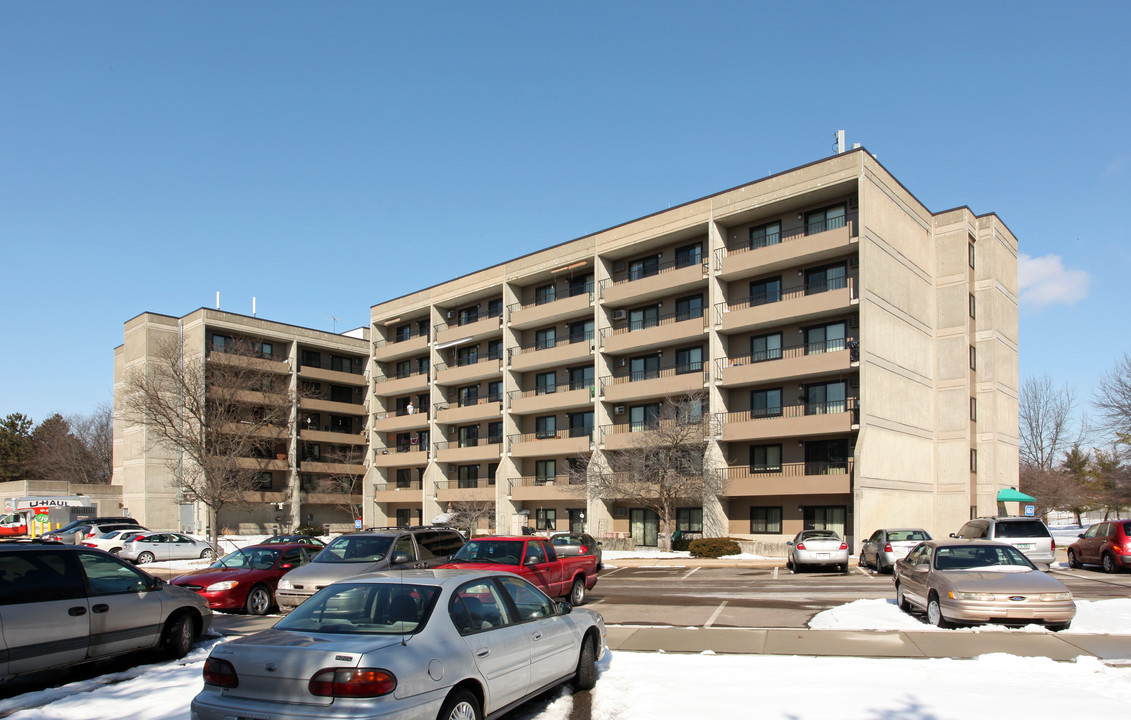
x=408 y=527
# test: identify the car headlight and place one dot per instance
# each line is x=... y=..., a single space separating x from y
x=983 y=597
x=226 y=585
x=1054 y=597
x=285 y=584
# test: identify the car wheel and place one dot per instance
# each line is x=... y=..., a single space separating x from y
x=586 y=666
x=144 y=558
x=843 y=567
x=901 y=599
x=179 y=635
x=861 y=562
x=460 y=705
x=1057 y=627
x=934 y=613
x=577 y=592
x=1073 y=561
x=115 y=551
x=206 y=554
x=258 y=601
x=1109 y=563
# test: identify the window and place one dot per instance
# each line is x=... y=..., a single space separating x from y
x=341 y=424
x=495 y=391
x=689 y=255
x=545 y=427
x=402 y=333
x=468 y=436
x=825 y=398
x=765 y=235
x=973 y=314
x=826 y=457
x=825 y=338
x=468 y=315
x=545 y=294
x=829 y=218
x=765 y=403
x=495 y=307
x=645 y=317
x=546 y=383
x=765 y=347
x=580 y=284
x=646 y=367
x=820 y=517
x=492 y=473
x=689 y=519
x=311 y=358
x=765 y=291
x=689 y=360
x=765 y=520
x=970 y=254
x=545 y=338
x=580 y=423
x=468 y=476
x=110 y=576
x=546 y=519
x=824 y=279
x=222 y=343
x=422 y=328
x=644 y=267
x=422 y=366
x=495 y=349
x=468 y=395
x=545 y=470
x=344 y=364
x=765 y=458
x=529 y=601
x=973 y=358
x=687 y=308
x=973 y=409
x=973 y=460
x=580 y=331
x=467 y=355
x=404 y=478
x=265 y=350
x=340 y=393
x=404 y=517
x=643 y=417
x=478 y=606
x=261 y=481
x=581 y=377
x=495 y=432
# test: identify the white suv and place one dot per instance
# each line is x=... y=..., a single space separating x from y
x=1029 y=535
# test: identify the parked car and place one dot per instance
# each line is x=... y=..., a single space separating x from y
x=535 y=559
x=63 y=605
x=291 y=539
x=112 y=540
x=363 y=552
x=1029 y=535
x=444 y=644
x=246 y=579
x=74 y=532
x=885 y=546
x=817 y=548
x=160 y=546
x=1107 y=544
x=569 y=544
x=980 y=581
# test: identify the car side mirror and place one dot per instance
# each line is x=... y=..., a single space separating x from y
x=1081 y=535
x=924 y=567
x=400 y=557
x=953 y=535
x=789 y=543
x=564 y=608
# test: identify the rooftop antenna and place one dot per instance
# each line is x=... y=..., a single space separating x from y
x=253 y=306
x=335 y=322
x=217 y=299
x=838 y=141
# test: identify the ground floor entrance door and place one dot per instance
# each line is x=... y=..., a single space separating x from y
x=645 y=526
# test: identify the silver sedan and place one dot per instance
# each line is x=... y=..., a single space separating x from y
x=885 y=546
x=159 y=546
x=817 y=548
x=447 y=644
x=980 y=581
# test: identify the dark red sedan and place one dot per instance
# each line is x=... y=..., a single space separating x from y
x=246 y=579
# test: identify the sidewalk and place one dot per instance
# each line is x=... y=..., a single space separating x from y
x=870 y=643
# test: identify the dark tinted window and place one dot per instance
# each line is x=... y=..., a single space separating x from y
x=973 y=530
x=438 y=543
x=1021 y=529
x=1127 y=528
x=355 y=548
x=29 y=577
x=109 y=576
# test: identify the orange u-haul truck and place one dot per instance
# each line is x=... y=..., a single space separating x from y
x=30 y=515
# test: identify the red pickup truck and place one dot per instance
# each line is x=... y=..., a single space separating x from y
x=534 y=559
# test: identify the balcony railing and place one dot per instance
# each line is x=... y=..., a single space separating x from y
x=403 y=412
x=410 y=485
x=638 y=375
x=455 y=483
x=540 y=480
x=548 y=344
x=478 y=442
x=627 y=326
x=832 y=407
x=794 y=469
x=440 y=327
x=412 y=333
x=792 y=352
x=791 y=293
x=549 y=389
x=562 y=291
x=399 y=376
x=793 y=233
x=650 y=270
x=564 y=434
x=469 y=361
x=651 y=425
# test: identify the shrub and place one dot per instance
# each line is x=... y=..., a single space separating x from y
x=713 y=547
x=683 y=543
x=308 y=530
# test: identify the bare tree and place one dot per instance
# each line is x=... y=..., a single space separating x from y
x=219 y=415
x=345 y=483
x=76 y=449
x=1113 y=399
x=1045 y=414
x=467 y=514
x=96 y=432
x=1054 y=490
x=664 y=469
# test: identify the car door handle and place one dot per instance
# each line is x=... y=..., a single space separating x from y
x=536 y=636
x=101 y=608
x=76 y=611
x=482 y=652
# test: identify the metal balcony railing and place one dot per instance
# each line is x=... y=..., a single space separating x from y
x=562 y=291
x=632 y=376
x=414 y=332
x=567 y=433
x=621 y=327
x=790 y=293
x=790 y=353
x=651 y=269
x=833 y=407
x=410 y=485
x=550 y=389
x=790 y=470
x=477 y=442
x=568 y=339
x=540 y=480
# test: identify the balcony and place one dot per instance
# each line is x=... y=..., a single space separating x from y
x=650 y=334
x=331 y=498
x=331 y=406
x=545 y=401
x=802 y=478
x=258 y=497
x=256 y=362
x=466 y=414
x=400 y=457
x=803 y=362
x=333 y=437
x=632 y=435
x=483 y=368
x=653 y=383
x=795 y=304
x=333 y=468
x=274 y=432
x=309 y=372
x=560 y=487
x=563 y=443
x=385 y=351
x=400 y=421
x=469 y=451
x=263 y=464
x=671 y=278
x=570 y=350
x=480 y=329
x=395 y=386
x=815 y=243
x=524 y=316
x=397 y=492
x=811 y=419
x=477 y=490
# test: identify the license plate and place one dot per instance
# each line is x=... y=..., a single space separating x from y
x=1024 y=546
x=822 y=556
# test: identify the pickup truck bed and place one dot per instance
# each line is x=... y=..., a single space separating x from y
x=534 y=559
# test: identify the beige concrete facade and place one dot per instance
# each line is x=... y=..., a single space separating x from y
x=858 y=350
x=327 y=425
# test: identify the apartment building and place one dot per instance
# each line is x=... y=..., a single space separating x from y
x=858 y=354
x=311 y=475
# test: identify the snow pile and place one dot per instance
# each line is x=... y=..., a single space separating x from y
x=1112 y=617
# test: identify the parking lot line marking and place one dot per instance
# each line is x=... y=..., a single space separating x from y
x=715 y=615
x=689 y=574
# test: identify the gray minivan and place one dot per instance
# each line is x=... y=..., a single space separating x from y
x=366 y=552
x=1029 y=535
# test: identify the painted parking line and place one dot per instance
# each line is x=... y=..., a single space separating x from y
x=715 y=615
x=689 y=574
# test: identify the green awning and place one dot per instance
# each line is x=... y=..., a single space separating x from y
x=1011 y=495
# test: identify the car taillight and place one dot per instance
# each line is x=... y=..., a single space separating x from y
x=85 y=544
x=844 y=546
x=1053 y=544
x=583 y=550
x=800 y=546
x=887 y=548
x=220 y=673
x=352 y=682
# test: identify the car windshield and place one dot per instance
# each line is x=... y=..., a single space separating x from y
x=981 y=557
x=364 y=609
x=506 y=552
x=348 y=548
x=252 y=558
x=1021 y=529
x=565 y=540
x=907 y=535
x=819 y=535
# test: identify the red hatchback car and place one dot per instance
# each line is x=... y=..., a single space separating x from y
x=1106 y=544
x=246 y=579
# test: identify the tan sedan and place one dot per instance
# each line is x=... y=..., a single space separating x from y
x=979 y=581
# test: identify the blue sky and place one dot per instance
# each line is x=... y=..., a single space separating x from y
x=324 y=157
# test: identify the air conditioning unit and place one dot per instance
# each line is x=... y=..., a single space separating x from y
x=618 y=410
x=853 y=202
x=451 y=314
x=619 y=314
x=621 y=362
x=854 y=261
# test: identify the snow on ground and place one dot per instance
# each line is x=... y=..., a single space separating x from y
x=1111 y=617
